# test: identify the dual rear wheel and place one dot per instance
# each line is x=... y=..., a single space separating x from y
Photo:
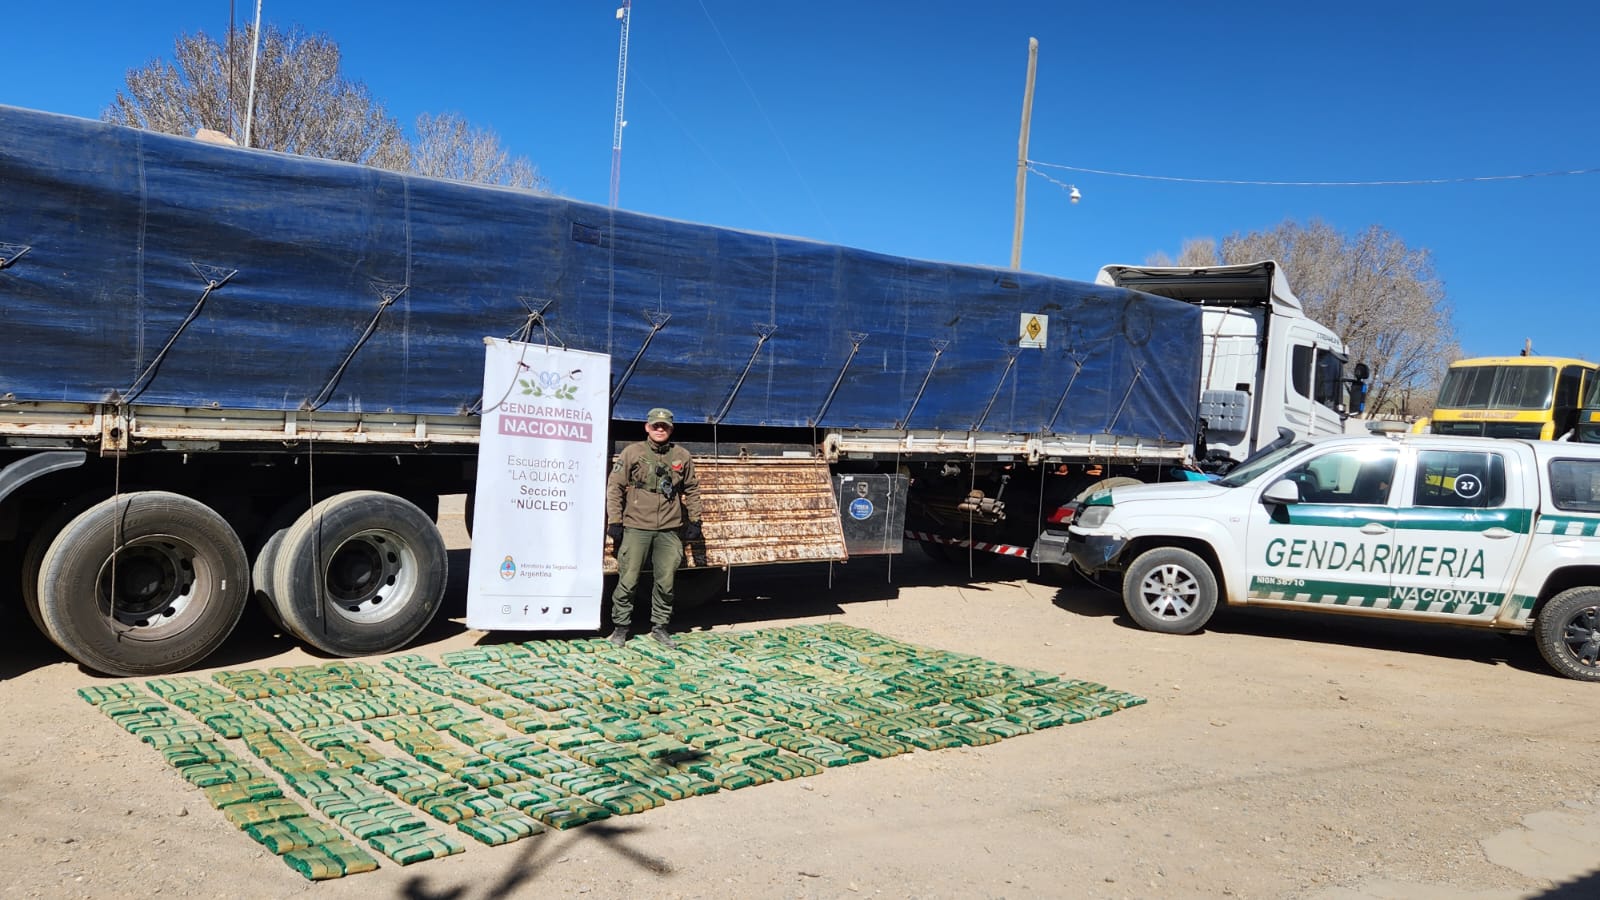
x=152 y=582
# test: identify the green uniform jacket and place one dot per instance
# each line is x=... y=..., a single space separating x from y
x=633 y=492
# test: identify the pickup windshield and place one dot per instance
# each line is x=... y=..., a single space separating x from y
x=1250 y=469
x=1498 y=387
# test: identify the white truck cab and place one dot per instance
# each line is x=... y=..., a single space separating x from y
x=1265 y=364
x=1501 y=534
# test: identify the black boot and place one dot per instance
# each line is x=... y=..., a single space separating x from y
x=619 y=636
x=660 y=634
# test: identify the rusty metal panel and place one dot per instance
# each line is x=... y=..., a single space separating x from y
x=760 y=511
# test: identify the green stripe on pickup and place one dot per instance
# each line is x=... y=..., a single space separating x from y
x=1376 y=597
x=1570 y=526
x=1411 y=518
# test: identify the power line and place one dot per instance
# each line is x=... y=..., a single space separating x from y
x=1034 y=167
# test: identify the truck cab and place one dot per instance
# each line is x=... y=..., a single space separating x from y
x=1265 y=364
x=1498 y=534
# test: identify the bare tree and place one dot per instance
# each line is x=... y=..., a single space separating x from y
x=1380 y=295
x=447 y=146
x=1195 y=252
x=303 y=105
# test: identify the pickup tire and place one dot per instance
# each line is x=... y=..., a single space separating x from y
x=1568 y=631
x=360 y=572
x=143 y=584
x=1170 y=590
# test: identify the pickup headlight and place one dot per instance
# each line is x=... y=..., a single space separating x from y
x=1092 y=516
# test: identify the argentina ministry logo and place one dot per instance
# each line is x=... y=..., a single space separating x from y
x=508 y=568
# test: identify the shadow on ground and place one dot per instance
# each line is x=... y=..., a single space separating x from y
x=1079 y=596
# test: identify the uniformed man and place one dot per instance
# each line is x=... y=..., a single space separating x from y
x=652 y=507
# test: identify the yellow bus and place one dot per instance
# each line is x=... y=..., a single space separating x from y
x=1534 y=397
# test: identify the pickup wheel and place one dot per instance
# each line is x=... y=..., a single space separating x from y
x=361 y=572
x=1568 y=630
x=1170 y=590
x=143 y=584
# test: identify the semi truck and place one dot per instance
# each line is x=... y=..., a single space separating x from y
x=232 y=374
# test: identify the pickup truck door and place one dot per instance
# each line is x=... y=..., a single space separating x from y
x=1459 y=536
x=1333 y=547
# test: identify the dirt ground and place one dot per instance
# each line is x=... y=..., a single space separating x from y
x=1279 y=756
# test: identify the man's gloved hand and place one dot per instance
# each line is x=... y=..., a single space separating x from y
x=615 y=533
x=693 y=532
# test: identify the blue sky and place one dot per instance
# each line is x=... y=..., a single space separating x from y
x=893 y=126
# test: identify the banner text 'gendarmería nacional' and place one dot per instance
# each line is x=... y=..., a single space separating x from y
x=553 y=422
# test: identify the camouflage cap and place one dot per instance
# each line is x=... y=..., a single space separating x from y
x=659 y=414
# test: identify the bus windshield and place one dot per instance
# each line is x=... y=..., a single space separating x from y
x=1498 y=387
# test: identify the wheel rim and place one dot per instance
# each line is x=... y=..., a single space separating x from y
x=1581 y=636
x=1170 y=591
x=148 y=589
x=371 y=576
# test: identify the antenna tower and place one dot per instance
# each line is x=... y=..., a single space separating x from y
x=623 y=14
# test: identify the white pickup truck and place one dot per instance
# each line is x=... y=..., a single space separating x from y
x=1489 y=533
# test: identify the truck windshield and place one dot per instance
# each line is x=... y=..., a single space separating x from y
x=1252 y=468
x=1498 y=387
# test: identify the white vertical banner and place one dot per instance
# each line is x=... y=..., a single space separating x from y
x=538 y=528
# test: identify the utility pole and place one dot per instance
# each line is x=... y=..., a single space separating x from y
x=623 y=15
x=255 y=50
x=1022 y=154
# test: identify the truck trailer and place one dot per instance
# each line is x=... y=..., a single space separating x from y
x=232 y=373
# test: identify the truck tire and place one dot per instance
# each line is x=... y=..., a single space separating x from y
x=33 y=555
x=1568 y=631
x=143 y=584
x=261 y=571
x=1170 y=590
x=361 y=572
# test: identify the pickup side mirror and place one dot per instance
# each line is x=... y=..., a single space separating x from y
x=1282 y=491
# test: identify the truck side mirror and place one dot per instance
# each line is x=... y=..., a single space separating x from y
x=1361 y=372
x=1283 y=491
x=1358 y=396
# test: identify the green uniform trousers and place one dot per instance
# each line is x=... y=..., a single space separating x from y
x=665 y=552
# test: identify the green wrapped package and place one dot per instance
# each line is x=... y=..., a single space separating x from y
x=208 y=775
x=197 y=753
x=291 y=834
x=248 y=790
x=334 y=859
x=101 y=694
x=409 y=847
x=172 y=736
x=567 y=812
x=500 y=827
x=249 y=813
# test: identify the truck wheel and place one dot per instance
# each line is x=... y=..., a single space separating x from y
x=1170 y=590
x=143 y=584
x=1568 y=630
x=261 y=579
x=361 y=572
x=33 y=556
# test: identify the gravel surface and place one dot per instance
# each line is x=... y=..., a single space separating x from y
x=1317 y=757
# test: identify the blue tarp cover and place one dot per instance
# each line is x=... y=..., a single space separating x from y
x=339 y=287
